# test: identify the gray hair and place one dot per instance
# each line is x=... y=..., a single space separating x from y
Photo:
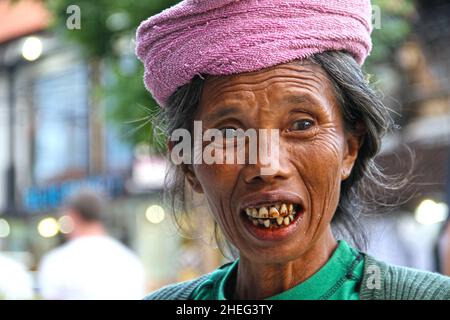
x=361 y=194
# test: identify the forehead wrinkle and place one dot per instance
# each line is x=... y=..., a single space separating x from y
x=245 y=87
x=240 y=89
x=225 y=86
x=296 y=66
x=217 y=99
x=311 y=92
x=311 y=85
x=246 y=80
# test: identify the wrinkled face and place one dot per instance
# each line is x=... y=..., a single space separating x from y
x=277 y=217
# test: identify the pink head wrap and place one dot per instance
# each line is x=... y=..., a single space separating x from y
x=223 y=37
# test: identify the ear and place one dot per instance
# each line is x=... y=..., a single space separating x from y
x=353 y=142
x=170 y=145
x=192 y=178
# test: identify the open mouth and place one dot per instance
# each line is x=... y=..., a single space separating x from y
x=275 y=216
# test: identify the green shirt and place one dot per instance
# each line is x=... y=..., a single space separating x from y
x=338 y=279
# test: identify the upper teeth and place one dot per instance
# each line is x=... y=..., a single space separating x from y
x=273 y=211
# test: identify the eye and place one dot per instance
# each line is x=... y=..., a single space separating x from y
x=302 y=125
x=229 y=133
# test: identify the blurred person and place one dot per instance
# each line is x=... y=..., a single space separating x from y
x=91 y=265
x=15 y=282
x=233 y=66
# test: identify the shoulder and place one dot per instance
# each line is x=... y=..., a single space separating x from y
x=390 y=282
x=11 y=269
x=54 y=256
x=184 y=290
x=177 y=291
x=7 y=263
x=121 y=251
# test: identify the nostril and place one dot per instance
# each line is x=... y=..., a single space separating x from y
x=255 y=179
x=258 y=177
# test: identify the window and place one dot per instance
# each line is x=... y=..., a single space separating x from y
x=61 y=124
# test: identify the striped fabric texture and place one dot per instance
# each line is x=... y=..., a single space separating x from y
x=381 y=281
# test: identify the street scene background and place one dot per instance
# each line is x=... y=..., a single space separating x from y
x=74 y=114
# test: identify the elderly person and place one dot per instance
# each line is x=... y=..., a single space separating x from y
x=291 y=66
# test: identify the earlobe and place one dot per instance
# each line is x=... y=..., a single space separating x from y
x=192 y=179
x=345 y=173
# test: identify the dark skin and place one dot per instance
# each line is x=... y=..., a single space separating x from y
x=316 y=155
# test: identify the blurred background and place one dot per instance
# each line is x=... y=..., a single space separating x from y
x=74 y=114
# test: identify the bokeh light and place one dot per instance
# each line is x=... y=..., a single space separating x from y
x=32 y=48
x=430 y=212
x=4 y=228
x=65 y=224
x=48 y=227
x=155 y=214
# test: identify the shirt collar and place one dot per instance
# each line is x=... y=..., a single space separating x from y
x=336 y=268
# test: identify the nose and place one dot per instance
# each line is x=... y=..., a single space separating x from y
x=268 y=169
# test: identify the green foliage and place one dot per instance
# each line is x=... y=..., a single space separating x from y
x=395 y=26
x=105 y=23
x=105 y=26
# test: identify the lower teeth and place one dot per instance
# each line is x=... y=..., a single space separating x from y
x=273 y=223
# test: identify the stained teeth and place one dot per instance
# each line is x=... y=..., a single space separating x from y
x=291 y=208
x=263 y=213
x=280 y=220
x=274 y=212
x=275 y=215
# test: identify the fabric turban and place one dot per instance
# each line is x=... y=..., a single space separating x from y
x=223 y=37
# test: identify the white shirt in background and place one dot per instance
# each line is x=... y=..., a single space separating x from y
x=15 y=282
x=91 y=268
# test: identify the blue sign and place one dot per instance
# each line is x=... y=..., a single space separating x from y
x=51 y=197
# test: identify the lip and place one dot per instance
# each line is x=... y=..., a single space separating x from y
x=279 y=234
x=268 y=198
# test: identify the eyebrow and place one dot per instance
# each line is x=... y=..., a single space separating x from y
x=300 y=99
x=223 y=112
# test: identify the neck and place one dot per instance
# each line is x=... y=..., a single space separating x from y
x=88 y=229
x=258 y=281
